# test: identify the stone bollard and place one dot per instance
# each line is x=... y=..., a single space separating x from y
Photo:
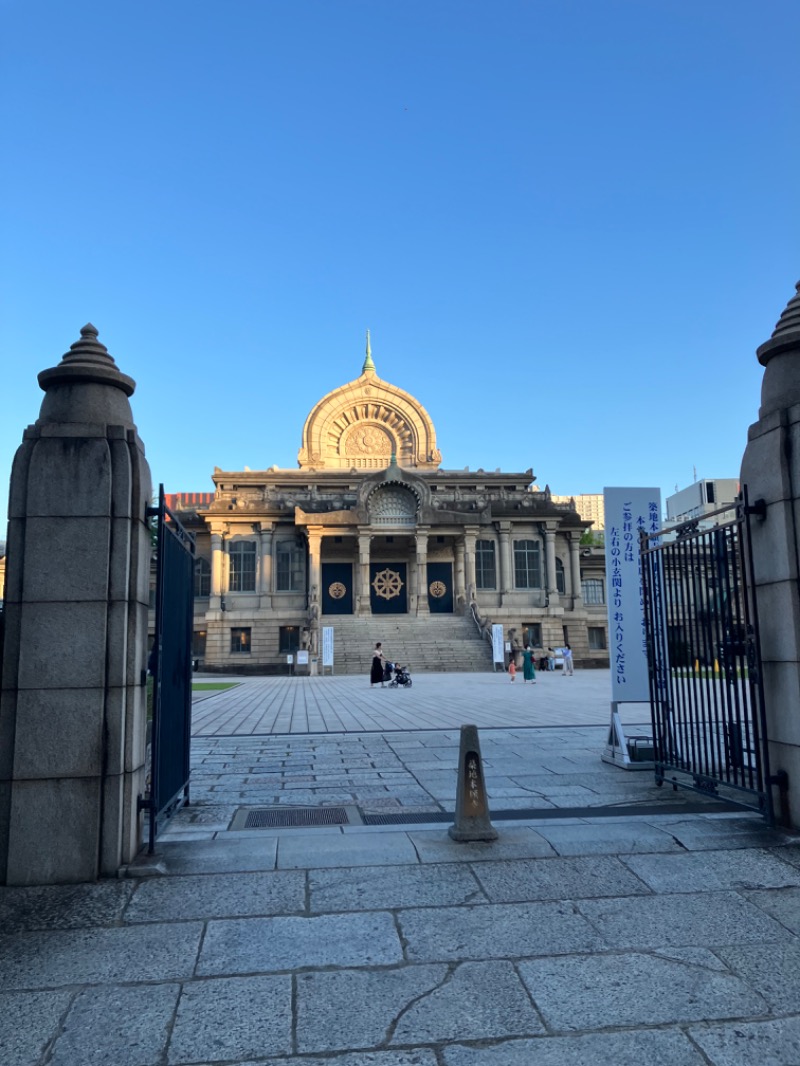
x=473 y=821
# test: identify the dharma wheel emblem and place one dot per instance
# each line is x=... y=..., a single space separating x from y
x=387 y=584
x=336 y=590
x=437 y=589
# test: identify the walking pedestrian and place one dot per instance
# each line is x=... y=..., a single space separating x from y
x=566 y=651
x=512 y=668
x=376 y=670
x=528 y=666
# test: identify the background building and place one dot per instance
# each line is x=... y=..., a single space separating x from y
x=372 y=536
x=700 y=498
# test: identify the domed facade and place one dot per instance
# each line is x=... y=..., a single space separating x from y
x=370 y=525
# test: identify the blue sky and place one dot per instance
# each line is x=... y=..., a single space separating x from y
x=568 y=224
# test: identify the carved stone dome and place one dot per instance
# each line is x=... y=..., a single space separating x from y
x=362 y=424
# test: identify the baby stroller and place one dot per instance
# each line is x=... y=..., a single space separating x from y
x=400 y=678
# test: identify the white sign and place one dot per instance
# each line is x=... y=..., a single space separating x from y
x=302 y=658
x=327 y=646
x=627 y=512
x=290 y=659
x=498 y=655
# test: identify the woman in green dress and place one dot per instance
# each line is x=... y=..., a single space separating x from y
x=528 y=667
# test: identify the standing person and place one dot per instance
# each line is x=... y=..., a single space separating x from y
x=551 y=659
x=528 y=665
x=512 y=668
x=567 y=653
x=376 y=670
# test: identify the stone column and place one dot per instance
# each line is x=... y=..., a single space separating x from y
x=265 y=567
x=362 y=575
x=73 y=706
x=506 y=573
x=470 y=536
x=422 y=572
x=550 y=564
x=459 y=578
x=216 y=571
x=314 y=537
x=771 y=472
x=575 y=570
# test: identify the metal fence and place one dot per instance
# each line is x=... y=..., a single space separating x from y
x=706 y=692
x=171 y=668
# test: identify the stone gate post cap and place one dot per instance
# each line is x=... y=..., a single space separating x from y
x=786 y=334
x=87 y=361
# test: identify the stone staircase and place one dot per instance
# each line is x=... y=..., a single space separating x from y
x=436 y=643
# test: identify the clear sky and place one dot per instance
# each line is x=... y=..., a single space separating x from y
x=567 y=223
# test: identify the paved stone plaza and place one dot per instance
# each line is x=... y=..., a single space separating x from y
x=613 y=923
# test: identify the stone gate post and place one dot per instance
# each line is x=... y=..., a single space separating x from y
x=771 y=471
x=73 y=706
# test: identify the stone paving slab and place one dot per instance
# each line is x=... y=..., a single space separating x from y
x=120 y=1025
x=705 y=918
x=773 y=971
x=648 y=1048
x=28 y=1022
x=768 y=1043
x=220 y=855
x=417 y=1005
x=708 y=870
x=93 y=956
x=783 y=905
x=235 y=1018
x=497 y=931
x=434 y=845
x=382 y=888
x=62 y=906
x=270 y=945
x=218 y=896
x=368 y=849
x=607 y=838
x=557 y=879
x=633 y=989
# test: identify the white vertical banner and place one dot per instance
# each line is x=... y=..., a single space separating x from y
x=327 y=646
x=627 y=512
x=498 y=650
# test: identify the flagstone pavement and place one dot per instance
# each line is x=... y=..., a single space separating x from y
x=611 y=922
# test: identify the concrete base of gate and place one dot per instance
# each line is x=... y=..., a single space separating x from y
x=626 y=751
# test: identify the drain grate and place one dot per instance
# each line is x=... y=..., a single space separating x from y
x=266 y=819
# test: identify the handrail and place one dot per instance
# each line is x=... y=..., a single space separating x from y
x=484 y=628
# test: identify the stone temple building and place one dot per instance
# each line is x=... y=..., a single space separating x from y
x=370 y=535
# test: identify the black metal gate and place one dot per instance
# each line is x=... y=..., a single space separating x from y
x=706 y=692
x=171 y=667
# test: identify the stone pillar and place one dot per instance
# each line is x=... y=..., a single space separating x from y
x=266 y=568
x=362 y=575
x=216 y=571
x=771 y=472
x=470 y=536
x=575 y=569
x=550 y=565
x=73 y=704
x=506 y=573
x=314 y=537
x=422 y=572
x=459 y=578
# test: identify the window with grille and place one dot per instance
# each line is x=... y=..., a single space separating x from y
x=202 y=577
x=561 y=581
x=198 y=643
x=485 y=567
x=240 y=640
x=527 y=565
x=289 y=567
x=242 y=554
x=592 y=590
x=597 y=638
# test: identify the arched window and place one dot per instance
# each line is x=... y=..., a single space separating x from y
x=561 y=581
x=202 y=577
